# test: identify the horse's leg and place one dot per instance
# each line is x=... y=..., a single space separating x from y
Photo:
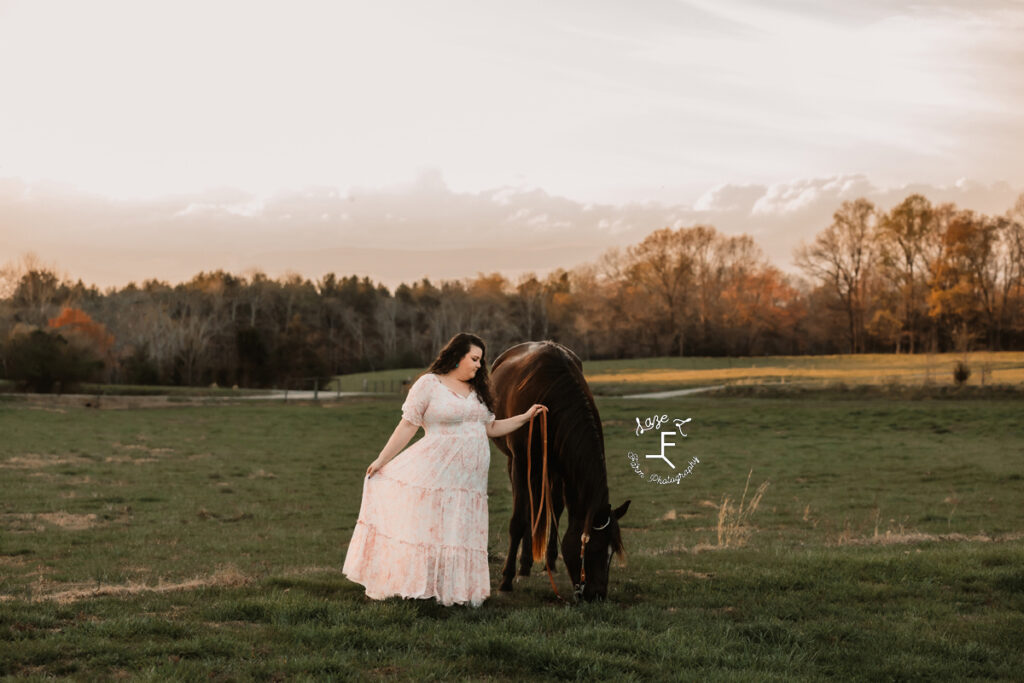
x=517 y=531
x=526 y=551
x=517 y=526
x=558 y=501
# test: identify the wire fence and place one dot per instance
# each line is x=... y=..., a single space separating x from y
x=317 y=387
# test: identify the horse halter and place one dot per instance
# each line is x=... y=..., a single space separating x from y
x=577 y=590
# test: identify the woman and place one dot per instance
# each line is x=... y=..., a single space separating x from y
x=422 y=527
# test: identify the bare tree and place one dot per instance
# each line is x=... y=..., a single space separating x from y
x=532 y=308
x=352 y=324
x=840 y=257
x=36 y=289
x=158 y=333
x=386 y=318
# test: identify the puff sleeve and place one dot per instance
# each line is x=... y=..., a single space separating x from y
x=417 y=400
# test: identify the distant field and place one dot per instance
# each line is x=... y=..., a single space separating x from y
x=206 y=542
x=618 y=377
x=384 y=381
x=659 y=374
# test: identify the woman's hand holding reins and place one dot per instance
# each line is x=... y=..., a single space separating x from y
x=533 y=410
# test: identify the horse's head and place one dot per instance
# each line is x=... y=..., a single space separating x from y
x=603 y=542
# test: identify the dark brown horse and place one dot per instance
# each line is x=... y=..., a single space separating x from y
x=549 y=373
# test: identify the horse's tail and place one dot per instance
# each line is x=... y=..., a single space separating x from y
x=540 y=520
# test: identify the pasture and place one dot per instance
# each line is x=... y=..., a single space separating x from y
x=205 y=541
x=891 y=371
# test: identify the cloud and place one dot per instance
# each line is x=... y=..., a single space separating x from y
x=730 y=198
x=809 y=194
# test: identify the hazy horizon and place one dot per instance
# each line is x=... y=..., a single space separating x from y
x=406 y=233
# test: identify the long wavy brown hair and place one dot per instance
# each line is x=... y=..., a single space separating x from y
x=452 y=353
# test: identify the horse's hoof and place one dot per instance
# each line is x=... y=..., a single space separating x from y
x=524 y=572
x=506 y=586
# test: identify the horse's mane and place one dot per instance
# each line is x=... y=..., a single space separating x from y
x=555 y=378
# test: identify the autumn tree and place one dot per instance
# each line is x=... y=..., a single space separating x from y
x=1010 y=260
x=72 y=348
x=489 y=300
x=725 y=263
x=840 y=258
x=761 y=309
x=81 y=330
x=663 y=266
x=906 y=235
x=978 y=276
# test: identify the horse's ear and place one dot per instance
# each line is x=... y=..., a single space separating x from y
x=620 y=511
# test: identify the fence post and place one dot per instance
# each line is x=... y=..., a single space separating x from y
x=316 y=388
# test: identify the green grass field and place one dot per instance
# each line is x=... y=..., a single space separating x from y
x=205 y=542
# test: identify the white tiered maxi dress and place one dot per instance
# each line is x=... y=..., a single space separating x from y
x=422 y=526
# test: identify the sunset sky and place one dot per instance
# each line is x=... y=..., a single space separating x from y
x=144 y=139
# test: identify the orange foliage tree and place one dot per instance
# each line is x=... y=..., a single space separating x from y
x=78 y=323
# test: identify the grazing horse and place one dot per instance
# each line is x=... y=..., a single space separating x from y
x=572 y=475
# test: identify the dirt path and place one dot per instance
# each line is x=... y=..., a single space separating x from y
x=675 y=392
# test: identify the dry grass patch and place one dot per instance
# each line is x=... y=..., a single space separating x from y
x=227 y=576
x=677 y=548
x=734 y=519
x=13 y=561
x=26 y=521
x=914 y=537
x=35 y=461
x=144 y=448
x=686 y=572
x=128 y=459
x=672 y=515
x=150 y=454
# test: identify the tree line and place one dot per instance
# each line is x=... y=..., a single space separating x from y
x=915 y=278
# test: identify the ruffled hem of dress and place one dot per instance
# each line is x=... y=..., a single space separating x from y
x=411 y=569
